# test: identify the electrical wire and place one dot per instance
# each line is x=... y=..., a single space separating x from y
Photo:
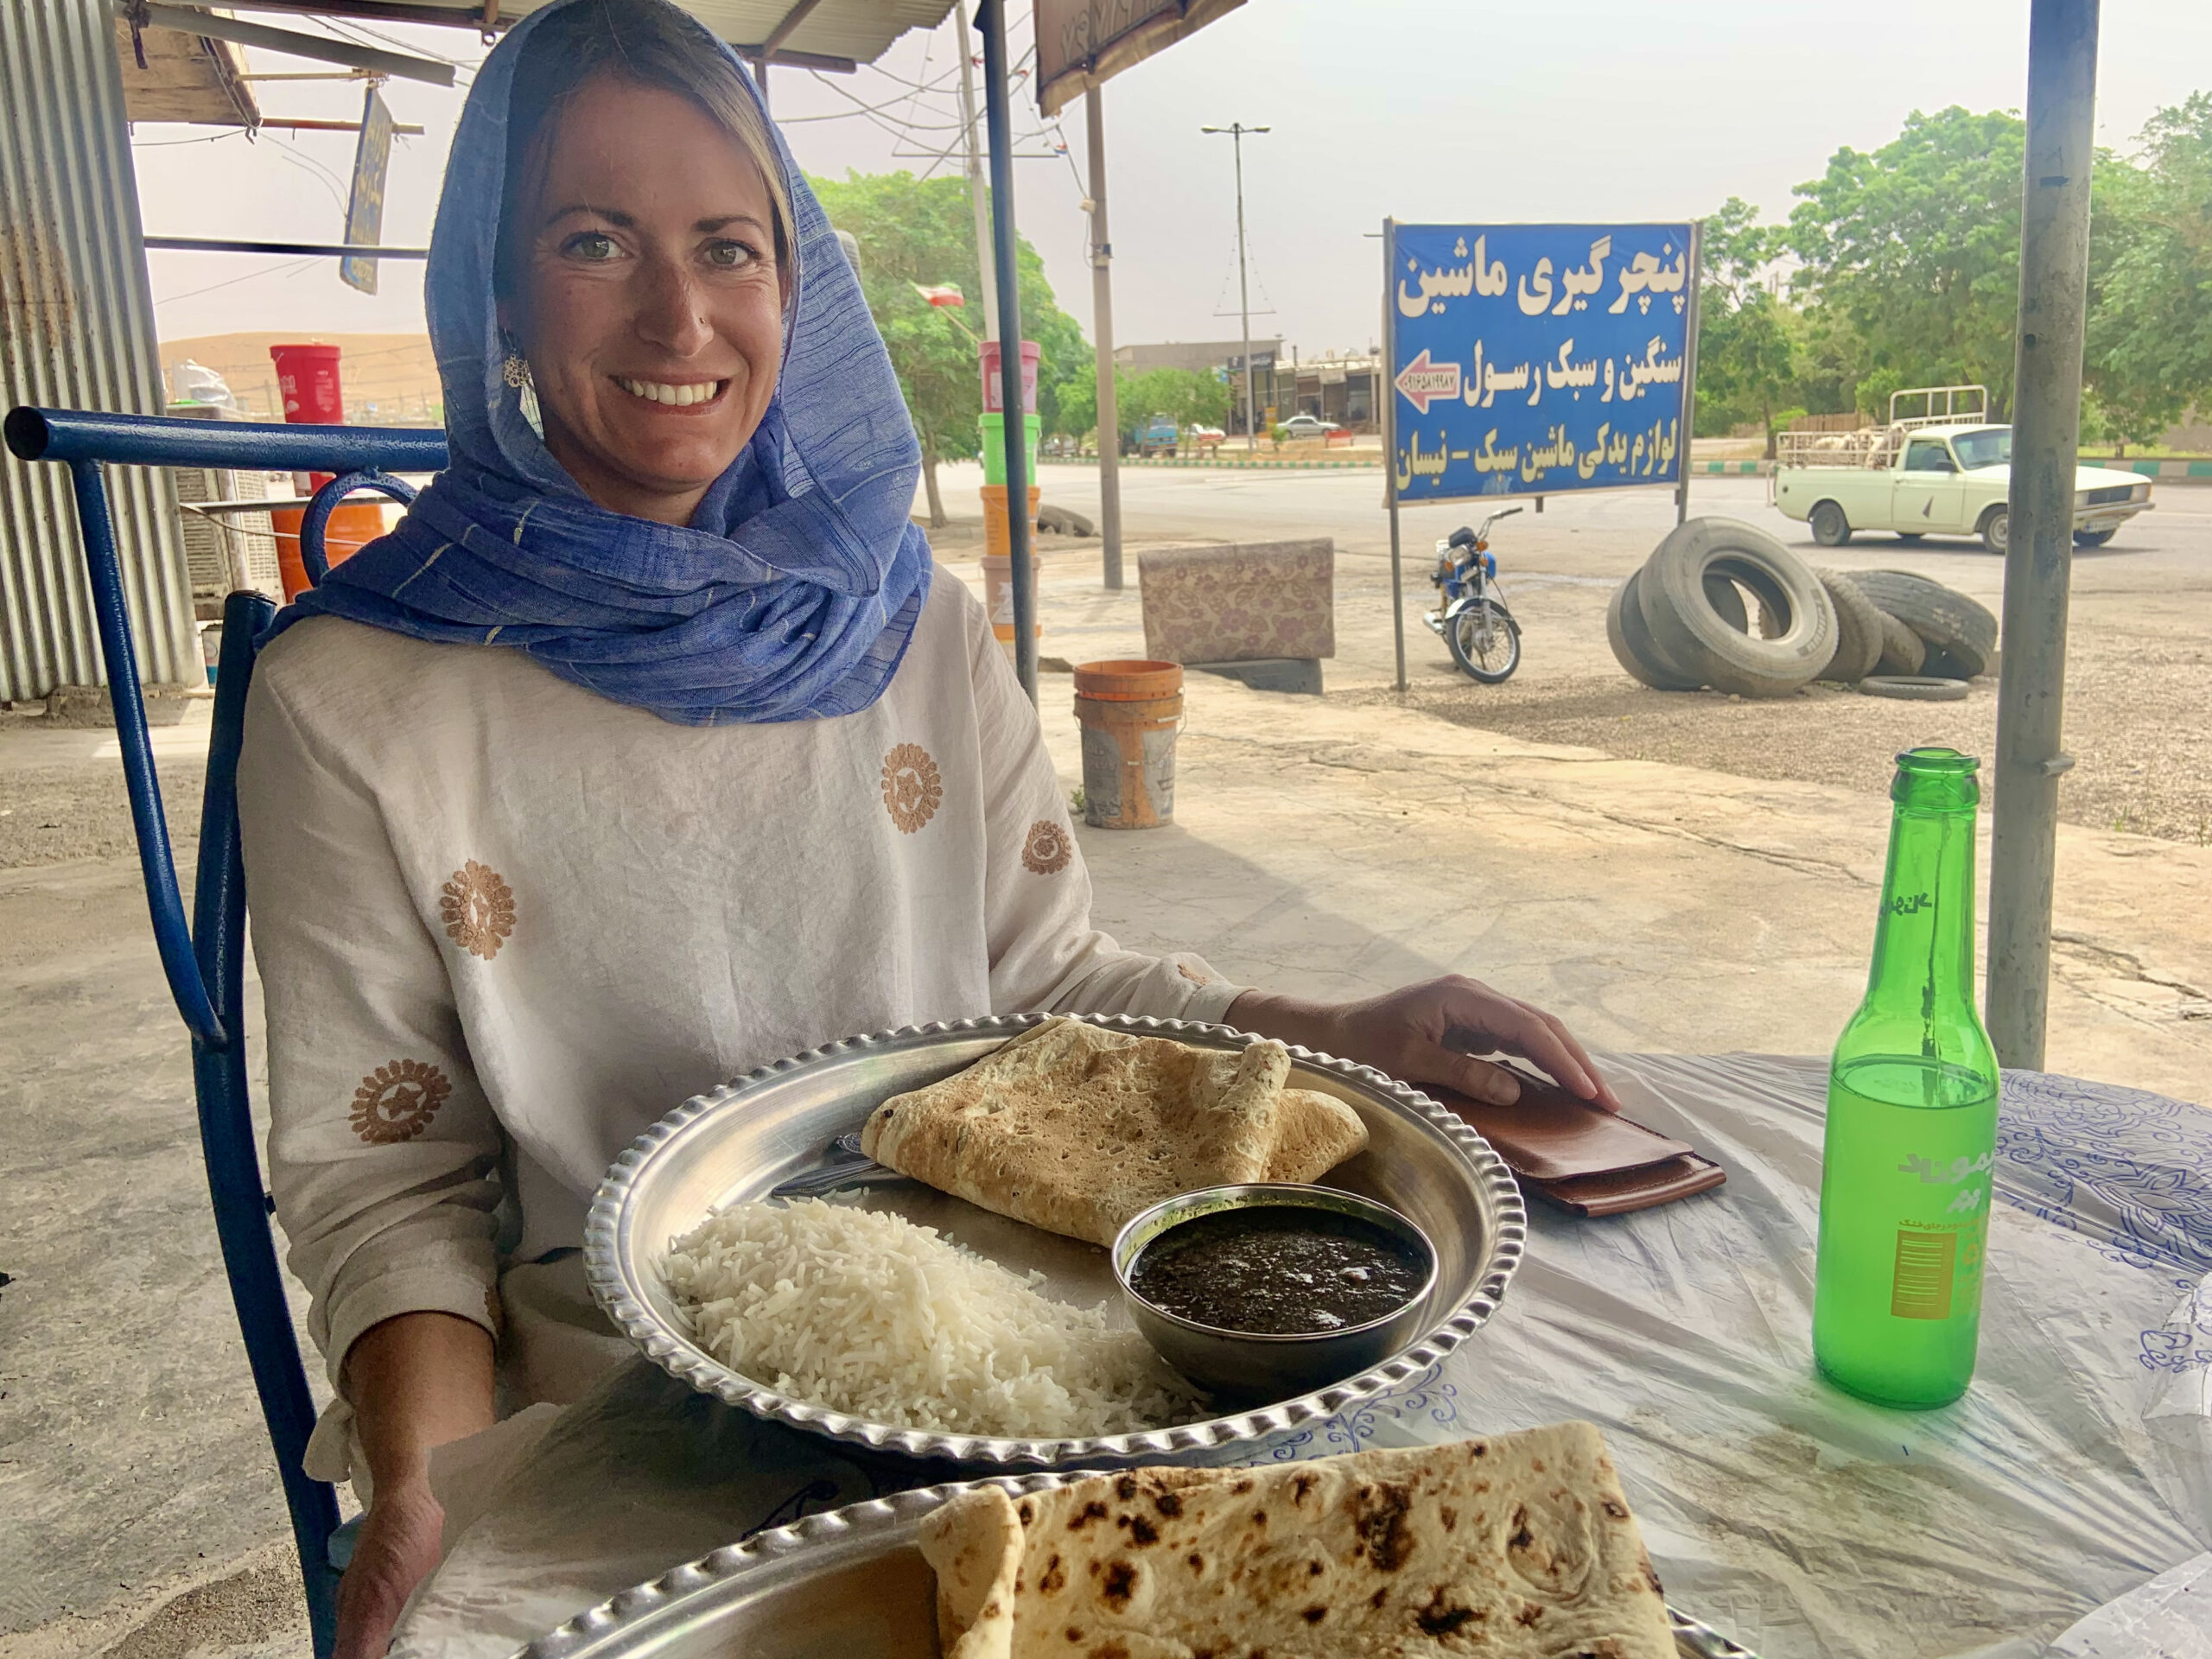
x=289 y=268
x=860 y=108
x=314 y=168
x=464 y=71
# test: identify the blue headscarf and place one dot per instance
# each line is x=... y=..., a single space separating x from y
x=791 y=595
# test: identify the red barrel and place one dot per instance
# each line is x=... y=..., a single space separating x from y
x=307 y=376
x=992 y=403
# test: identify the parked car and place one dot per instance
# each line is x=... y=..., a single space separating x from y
x=1946 y=471
x=1306 y=426
x=1204 y=438
x=1157 y=436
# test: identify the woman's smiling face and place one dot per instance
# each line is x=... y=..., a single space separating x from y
x=651 y=305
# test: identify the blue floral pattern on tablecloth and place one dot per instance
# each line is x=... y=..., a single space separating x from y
x=1424 y=1403
x=2130 y=1169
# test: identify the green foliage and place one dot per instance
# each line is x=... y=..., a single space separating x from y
x=2149 y=356
x=1074 y=406
x=1908 y=271
x=1183 y=395
x=1746 y=343
x=913 y=230
x=1914 y=250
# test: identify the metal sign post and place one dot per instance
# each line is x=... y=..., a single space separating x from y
x=1689 y=373
x=1389 y=450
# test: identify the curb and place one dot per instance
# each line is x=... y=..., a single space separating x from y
x=1232 y=466
x=2163 y=472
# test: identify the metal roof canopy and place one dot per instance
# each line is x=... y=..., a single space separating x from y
x=834 y=35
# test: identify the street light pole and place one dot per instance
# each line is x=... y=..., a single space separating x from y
x=1101 y=326
x=1236 y=129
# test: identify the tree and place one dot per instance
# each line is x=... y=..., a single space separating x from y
x=1746 y=349
x=922 y=231
x=1915 y=251
x=1185 y=396
x=2149 y=352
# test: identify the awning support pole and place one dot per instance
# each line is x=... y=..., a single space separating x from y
x=977 y=198
x=1102 y=324
x=990 y=22
x=2039 y=559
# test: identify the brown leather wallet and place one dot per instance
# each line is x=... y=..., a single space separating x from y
x=1582 y=1158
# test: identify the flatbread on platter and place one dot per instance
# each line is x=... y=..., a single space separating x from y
x=1075 y=1129
x=1513 y=1546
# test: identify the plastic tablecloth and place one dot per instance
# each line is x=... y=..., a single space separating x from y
x=2062 y=1507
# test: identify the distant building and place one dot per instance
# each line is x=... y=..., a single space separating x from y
x=1336 y=388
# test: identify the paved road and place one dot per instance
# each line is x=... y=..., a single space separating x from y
x=2160 y=568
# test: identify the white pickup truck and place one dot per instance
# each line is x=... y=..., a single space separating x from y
x=1946 y=471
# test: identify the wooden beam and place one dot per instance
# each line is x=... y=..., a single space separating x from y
x=321 y=48
x=783 y=31
x=458 y=16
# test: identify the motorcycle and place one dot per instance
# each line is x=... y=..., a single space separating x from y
x=1485 y=640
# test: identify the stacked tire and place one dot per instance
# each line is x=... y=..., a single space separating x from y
x=1681 y=623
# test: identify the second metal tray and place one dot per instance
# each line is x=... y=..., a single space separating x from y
x=850 y=1583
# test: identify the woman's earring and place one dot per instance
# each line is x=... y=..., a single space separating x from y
x=514 y=369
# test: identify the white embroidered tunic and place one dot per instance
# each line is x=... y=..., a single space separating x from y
x=503 y=925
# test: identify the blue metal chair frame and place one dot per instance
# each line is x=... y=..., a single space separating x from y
x=205 y=962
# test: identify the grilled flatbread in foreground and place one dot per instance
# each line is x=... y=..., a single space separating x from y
x=1075 y=1129
x=1516 y=1547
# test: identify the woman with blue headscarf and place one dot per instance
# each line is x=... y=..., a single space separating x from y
x=644 y=751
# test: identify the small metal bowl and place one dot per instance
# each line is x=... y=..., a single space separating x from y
x=1247 y=1365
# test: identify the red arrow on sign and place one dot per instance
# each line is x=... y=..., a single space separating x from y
x=1421 y=380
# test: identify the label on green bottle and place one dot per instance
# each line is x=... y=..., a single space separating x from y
x=1905 y=1216
x=1926 y=1272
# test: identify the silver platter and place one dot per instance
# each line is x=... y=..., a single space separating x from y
x=851 y=1582
x=747 y=1137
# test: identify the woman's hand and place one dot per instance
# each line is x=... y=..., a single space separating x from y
x=1430 y=1032
x=396 y=1550
x=416 y=1382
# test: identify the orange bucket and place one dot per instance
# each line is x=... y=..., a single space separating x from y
x=1128 y=681
x=1130 y=714
x=352 y=526
x=998 y=535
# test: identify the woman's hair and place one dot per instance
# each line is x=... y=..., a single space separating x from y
x=649 y=43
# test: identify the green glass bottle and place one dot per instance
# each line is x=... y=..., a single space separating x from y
x=1912 y=1118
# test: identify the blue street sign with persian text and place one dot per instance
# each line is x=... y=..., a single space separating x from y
x=1534 y=359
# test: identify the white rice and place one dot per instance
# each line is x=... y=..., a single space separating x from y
x=863 y=1311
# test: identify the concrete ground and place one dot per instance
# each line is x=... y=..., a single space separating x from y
x=1700 y=875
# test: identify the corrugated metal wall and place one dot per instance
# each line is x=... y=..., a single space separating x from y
x=76 y=332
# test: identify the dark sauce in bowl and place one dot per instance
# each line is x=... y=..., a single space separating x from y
x=1279 y=1270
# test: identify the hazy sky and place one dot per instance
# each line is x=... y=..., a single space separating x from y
x=1576 y=109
